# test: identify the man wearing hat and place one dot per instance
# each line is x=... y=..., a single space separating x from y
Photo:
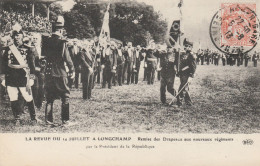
x=109 y=63
x=138 y=57
x=186 y=69
x=18 y=66
x=168 y=63
x=255 y=58
x=151 y=61
x=59 y=67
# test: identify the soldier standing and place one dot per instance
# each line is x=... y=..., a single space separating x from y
x=130 y=61
x=168 y=70
x=120 y=64
x=223 y=57
x=109 y=65
x=74 y=54
x=18 y=66
x=58 y=59
x=151 y=60
x=246 y=57
x=87 y=61
x=137 y=62
x=255 y=58
x=187 y=69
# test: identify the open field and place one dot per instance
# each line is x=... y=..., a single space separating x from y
x=226 y=100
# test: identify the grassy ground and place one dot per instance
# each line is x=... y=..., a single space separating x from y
x=226 y=100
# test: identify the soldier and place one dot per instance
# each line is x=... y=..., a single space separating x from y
x=255 y=58
x=168 y=65
x=108 y=64
x=74 y=54
x=246 y=57
x=18 y=66
x=216 y=58
x=202 y=57
x=58 y=60
x=137 y=62
x=223 y=58
x=120 y=64
x=87 y=60
x=187 y=69
x=129 y=61
x=151 y=61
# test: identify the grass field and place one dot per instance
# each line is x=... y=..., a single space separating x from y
x=226 y=100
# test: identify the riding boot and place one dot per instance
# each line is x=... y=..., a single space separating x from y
x=15 y=109
x=65 y=114
x=49 y=113
x=31 y=109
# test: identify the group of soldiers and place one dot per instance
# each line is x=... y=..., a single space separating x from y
x=32 y=78
x=207 y=56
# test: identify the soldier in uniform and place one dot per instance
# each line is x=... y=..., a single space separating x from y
x=87 y=60
x=224 y=59
x=186 y=69
x=137 y=62
x=120 y=64
x=151 y=61
x=58 y=60
x=168 y=70
x=255 y=58
x=18 y=66
x=109 y=63
x=129 y=61
x=74 y=54
x=246 y=57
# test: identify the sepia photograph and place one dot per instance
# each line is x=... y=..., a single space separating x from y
x=130 y=70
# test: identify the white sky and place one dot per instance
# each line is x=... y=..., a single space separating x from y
x=196 y=15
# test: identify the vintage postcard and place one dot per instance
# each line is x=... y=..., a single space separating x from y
x=130 y=82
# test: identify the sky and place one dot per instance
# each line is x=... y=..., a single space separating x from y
x=196 y=16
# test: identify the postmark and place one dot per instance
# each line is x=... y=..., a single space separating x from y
x=235 y=27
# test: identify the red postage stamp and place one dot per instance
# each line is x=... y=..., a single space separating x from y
x=238 y=24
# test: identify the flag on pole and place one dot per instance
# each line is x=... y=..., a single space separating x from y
x=105 y=31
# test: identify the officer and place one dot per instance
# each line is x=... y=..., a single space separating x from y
x=40 y=63
x=151 y=61
x=187 y=69
x=120 y=64
x=109 y=63
x=168 y=65
x=138 y=57
x=87 y=60
x=129 y=61
x=19 y=69
x=224 y=59
x=58 y=60
x=246 y=57
x=74 y=54
x=255 y=58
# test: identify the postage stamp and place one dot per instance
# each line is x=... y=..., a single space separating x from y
x=235 y=27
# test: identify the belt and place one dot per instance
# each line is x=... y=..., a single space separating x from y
x=151 y=59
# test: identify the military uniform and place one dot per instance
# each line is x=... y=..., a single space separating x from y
x=246 y=57
x=120 y=66
x=110 y=62
x=137 y=62
x=87 y=62
x=151 y=61
x=58 y=61
x=16 y=79
x=74 y=54
x=168 y=71
x=186 y=69
x=129 y=62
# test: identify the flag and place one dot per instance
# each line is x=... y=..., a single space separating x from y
x=105 y=31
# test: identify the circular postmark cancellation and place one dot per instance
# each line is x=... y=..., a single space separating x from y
x=235 y=28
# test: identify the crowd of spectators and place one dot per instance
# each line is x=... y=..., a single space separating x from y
x=26 y=20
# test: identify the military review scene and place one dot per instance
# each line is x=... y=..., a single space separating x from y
x=129 y=66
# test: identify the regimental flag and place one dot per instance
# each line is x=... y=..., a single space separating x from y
x=105 y=31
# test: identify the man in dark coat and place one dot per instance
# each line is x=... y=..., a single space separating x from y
x=255 y=58
x=151 y=61
x=137 y=62
x=87 y=61
x=168 y=63
x=59 y=67
x=74 y=54
x=187 y=69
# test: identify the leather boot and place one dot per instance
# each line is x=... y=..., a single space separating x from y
x=49 y=113
x=31 y=109
x=65 y=114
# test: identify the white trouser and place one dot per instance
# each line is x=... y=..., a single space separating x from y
x=13 y=93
